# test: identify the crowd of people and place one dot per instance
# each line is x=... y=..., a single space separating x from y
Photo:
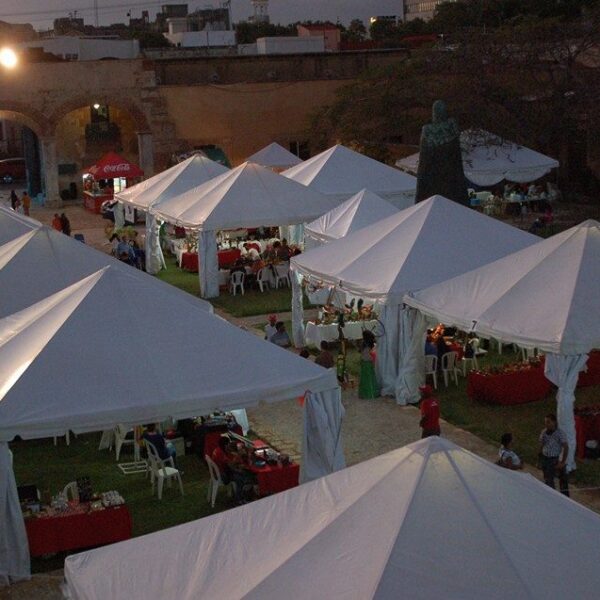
x=61 y=223
x=128 y=249
x=232 y=463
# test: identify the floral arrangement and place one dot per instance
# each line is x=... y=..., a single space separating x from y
x=518 y=367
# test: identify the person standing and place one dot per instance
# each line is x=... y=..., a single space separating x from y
x=66 y=224
x=554 y=450
x=325 y=358
x=280 y=337
x=430 y=413
x=14 y=199
x=367 y=385
x=56 y=222
x=26 y=201
x=270 y=327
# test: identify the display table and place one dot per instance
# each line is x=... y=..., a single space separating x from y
x=226 y=258
x=315 y=334
x=77 y=529
x=515 y=387
x=587 y=427
x=211 y=437
x=189 y=261
x=93 y=202
x=273 y=478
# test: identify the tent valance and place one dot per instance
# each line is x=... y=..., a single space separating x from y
x=113 y=165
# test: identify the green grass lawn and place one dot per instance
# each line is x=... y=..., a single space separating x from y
x=51 y=468
x=253 y=302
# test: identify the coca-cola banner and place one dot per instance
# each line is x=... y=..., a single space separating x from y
x=112 y=165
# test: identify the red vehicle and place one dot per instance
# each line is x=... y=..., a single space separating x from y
x=12 y=169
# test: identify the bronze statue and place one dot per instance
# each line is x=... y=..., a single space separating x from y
x=440 y=159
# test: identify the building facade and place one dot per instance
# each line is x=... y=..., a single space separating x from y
x=421 y=9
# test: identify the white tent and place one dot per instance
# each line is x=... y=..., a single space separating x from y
x=362 y=209
x=247 y=196
x=340 y=173
x=274 y=157
x=429 y=520
x=190 y=173
x=116 y=348
x=546 y=296
x=425 y=244
x=489 y=159
x=13 y=224
x=53 y=261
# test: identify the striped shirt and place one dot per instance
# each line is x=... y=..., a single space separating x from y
x=552 y=442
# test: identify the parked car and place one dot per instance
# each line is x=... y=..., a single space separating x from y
x=12 y=169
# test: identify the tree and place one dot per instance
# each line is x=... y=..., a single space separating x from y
x=151 y=39
x=356 y=31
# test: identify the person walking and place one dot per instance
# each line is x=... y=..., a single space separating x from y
x=66 y=224
x=367 y=384
x=56 y=222
x=430 y=413
x=26 y=201
x=554 y=450
x=14 y=199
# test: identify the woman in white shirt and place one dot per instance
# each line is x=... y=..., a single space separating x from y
x=507 y=458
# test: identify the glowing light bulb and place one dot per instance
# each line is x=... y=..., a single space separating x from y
x=8 y=58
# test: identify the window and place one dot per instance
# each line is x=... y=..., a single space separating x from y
x=300 y=149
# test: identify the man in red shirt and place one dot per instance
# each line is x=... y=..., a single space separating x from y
x=430 y=412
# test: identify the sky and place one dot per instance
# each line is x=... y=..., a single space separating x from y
x=40 y=13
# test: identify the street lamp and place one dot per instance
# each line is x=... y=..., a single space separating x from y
x=8 y=58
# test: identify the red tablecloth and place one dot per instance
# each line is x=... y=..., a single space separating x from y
x=455 y=347
x=587 y=427
x=72 y=531
x=273 y=479
x=228 y=257
x=517 y=387
x=189 y=261
x=592 y=375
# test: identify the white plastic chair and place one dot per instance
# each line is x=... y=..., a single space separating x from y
x=121 y=439
x=161 y=469
x=236 y=281
x=528 y=353
x=282 y=274
x=477 y=351
x=431 y=368
x=471 y=363
x=216 y=481
x=449 y=366
x=67 y=438
x=72 y=490
x=262 y=279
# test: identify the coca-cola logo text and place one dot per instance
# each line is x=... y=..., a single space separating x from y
x=120 y=168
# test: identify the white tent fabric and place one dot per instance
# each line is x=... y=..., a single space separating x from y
x=322 y=435
x=55 y=261
x=563 y=371
x=124 y=321
x=429 y=242
x=13 y=224
x=340 y=173
x=546 y=296
x=488 y=160
x=14 y=552
x=429 y=520
x=274 y=157
x=362 y=209
x=190 y=173
x=247 y=196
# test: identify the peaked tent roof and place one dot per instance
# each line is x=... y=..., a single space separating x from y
x=113 y=165
x=429 y=520
x=191 y=172
x=274 y=156
x=247 y=196
x=341 y=172
x=112 y=348
x=427 y=243
x=488 y=160
x=54 y=261
x=13 y=224
x=545 y=296
x=363 y=209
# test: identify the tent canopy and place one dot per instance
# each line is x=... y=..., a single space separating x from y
x=545 y=296
x=364 y=208
x=54 y=261
x=113 y=165
x=114 y=347
x=415 y=248
x=341 y=173
x=192 y=172
x=13 y=224
x=429 y=520
x=488 y=160
x=274 y=156
x=247 y=196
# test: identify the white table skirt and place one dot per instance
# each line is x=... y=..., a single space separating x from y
x=315 y=334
